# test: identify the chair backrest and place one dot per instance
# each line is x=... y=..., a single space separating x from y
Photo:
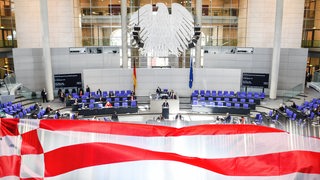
x=202 y=99
x=237 y=105
x=116 y=104
x=124 y=104
x=194 y=102
x=218 y=99
x=226 y=99
x=246 y=106
x=91 y=106
x=214 y=93
x=133 y=103
x=242 y=100
x=220 y=103
x=251 y=100
x=210 y=98
x=228 y=104
x=234 y=100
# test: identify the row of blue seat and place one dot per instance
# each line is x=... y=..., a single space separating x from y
x=226 y=99
x=214 y=93
x=115 y=104
x=116 y=93
x=220 y=104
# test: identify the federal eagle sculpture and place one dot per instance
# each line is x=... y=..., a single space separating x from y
x=163 y=33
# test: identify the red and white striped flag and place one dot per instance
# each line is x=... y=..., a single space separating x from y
x=80 y=149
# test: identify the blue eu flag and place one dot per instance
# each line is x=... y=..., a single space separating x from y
x=191 y=74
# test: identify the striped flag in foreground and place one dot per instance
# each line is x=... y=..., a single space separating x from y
x=66 y=149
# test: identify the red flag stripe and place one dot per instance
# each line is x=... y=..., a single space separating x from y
x=10 y=166
x=9 y=127
x=147 y=130
x=31 y=143
x=70 y=158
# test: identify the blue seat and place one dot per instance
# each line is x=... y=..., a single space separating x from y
x=214 y=93
x=210 y=98
x=220 y=103
x=100 y=105
x=225 y=93
x=242 y=100
x=226 y=99
x=195 y=102
x=91 y=106
x=220 y=93
x=237 y=105
x=201 y=92
x=116 y=99
x=228 y=104
x=234 y=100
x=202 y=99
x=218 y=99
x=251 y=101
x=212 y=103
x=116 y=104
x=208 y=93
x=133 y=103
x=124 y=104
x=246 y=106
x=104 y=94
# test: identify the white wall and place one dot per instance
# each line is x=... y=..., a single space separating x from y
x=221 y=71
x=149 y=79
x=261 y=20
x=61 y=23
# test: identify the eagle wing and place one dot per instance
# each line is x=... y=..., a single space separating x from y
x=182 y=25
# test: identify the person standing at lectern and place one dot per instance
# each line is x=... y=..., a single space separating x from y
x=165 y=104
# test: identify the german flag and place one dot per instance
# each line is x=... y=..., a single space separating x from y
x=134 y=76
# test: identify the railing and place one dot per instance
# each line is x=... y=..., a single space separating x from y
x=316 y=76
x=289 y=94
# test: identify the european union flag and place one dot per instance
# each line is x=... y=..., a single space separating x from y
x=191 y=74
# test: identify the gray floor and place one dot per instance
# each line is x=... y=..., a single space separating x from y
x=191 y=118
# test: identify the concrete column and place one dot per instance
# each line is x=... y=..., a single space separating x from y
x=276 y=49
x=46 y=48
x=124 y=37
x=198 y=23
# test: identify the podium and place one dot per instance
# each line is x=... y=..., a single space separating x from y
x=165 y=112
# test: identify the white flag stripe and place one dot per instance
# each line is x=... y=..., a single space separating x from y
x=150 y=170
x=26 y=125
x=32 y=166
x=204 y=146
x=10 y=145
x=10 y=178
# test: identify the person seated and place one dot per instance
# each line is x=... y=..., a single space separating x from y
x=99 y=92
x=108 y=105
x=173 y=96
x=227 y=119
x=111 y=94
x=160 y=118
x=282 y=107
x=48 y=110
x=114 y=116
x=294 y=105
x=179 y=117
x=58 y=114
